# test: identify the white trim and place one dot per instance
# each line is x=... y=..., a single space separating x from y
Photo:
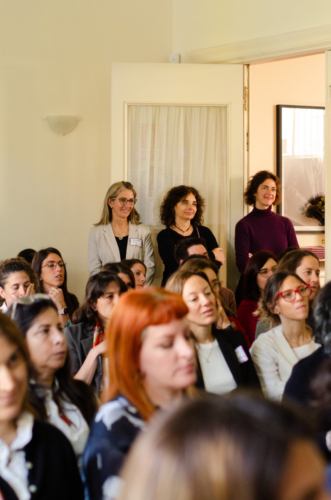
x=282 y=46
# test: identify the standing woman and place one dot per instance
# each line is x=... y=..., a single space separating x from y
x=262 y=229
x=151 y=363
x=16 y=280
x=51 y=271
x=285 y=300
x=182 y=214
x=224 y=362
x=119 y=235
x=37 y=461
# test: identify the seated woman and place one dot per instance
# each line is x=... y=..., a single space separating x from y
x=258 y=270
x=224 y=362
x=37 y=460
x=139 y=271
x=123 y=271
x=58 y=399
x=51 y=271
x=214 y=448
x=182 y=214
x=198 y=264
x=285 y=300
x=307 y=266
x=16 y=280
x=151 y=363
x=85 y=337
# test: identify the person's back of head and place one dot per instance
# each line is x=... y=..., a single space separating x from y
x=211 y=448
x=27 y=254
x=189 y=246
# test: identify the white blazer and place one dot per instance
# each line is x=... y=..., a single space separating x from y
x=103 y=248
x=274 y=359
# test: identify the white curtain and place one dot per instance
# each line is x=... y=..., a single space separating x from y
x=173 y=145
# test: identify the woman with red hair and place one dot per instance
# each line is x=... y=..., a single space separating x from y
x=151 y=362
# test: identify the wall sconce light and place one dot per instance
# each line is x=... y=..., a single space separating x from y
x=62 y=124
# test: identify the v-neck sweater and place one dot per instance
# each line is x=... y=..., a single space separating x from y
x=262 y=230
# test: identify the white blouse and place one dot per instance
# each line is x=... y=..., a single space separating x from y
x=73 y=426
x=274 y=359
x=13 y=467
x=217 y=376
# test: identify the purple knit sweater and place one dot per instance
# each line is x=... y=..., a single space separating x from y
x=262 y=230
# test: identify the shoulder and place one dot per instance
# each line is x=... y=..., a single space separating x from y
x=49 y=436
x=245 y=221
x=165 y=234
x=142 y=229
x=204 y=230
x=247 y=306
x=96 y=230
x=311 y=362
x=268 y=339
x=116 y=410
x=78 y=332
x=235 y=337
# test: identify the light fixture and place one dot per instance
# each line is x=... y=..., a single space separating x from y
x=60 y=124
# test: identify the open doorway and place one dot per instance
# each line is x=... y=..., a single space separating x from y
x=298 y=81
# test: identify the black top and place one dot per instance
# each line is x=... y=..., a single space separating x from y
x=167 y=240
x=243 y=372
x=53 y=472
x=122 y=244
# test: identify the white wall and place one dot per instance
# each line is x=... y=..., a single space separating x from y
x=200 y=24
x=298 y=81
x=56 y=59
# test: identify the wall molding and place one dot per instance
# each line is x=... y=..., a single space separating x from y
x=294 y=44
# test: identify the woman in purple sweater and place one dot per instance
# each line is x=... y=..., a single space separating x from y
x=262 y=229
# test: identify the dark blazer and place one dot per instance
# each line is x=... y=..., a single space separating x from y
x=244 y=374
x=80 y=342
x=52 y=466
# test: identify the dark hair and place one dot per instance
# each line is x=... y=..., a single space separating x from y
x=271 y=291
x=215 y=448
x=15 y=265
x=322 y=318
x=196 y=263
x=253 y=267
x=69 y=298
x=119 y=267
x=66 y=388
x=174 y=196
x=285 y=252
x=292 y=260
x=131 y=262
x=182 y=246
x=27 y=254
x=95 y=288
x=256 y=181
x=10 y=332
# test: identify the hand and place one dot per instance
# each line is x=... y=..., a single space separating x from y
x=222 y=319
x=219 y=255
x=250 y=255
x=30 y=290
x=56 y=295
x=100 y=348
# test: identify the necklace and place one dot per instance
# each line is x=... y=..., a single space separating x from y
x=207 y=358
x=182 y=230
x=118 y=234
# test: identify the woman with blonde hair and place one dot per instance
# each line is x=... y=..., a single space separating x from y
x=211 y=448
x=150 y=363
x=119 y=234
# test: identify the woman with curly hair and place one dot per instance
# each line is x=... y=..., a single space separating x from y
x=16 y=280
x=182 y=214
x=262 y=229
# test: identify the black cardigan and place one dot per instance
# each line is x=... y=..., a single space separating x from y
x=167 y=239
x=52 y=466
x=244 y=374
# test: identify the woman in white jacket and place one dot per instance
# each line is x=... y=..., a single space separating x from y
x=286 y=301
x=119 y=235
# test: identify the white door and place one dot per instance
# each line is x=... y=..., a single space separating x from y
x=190 y=84
x=327 y=165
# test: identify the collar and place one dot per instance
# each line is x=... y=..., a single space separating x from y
x=263 y=213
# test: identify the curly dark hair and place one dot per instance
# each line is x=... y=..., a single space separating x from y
x=256 y=181
x=174 y=196
x=16 y=265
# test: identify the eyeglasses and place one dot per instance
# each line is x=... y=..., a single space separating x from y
x=124 y=201
x=28 y=300
x=52 y=265
x=289 y=295
x=264 y=272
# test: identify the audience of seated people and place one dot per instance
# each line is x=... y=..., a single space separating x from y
x=153 y=356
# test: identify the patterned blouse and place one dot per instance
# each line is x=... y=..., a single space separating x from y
x=113 y=431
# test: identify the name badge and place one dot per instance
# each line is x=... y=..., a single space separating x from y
x=241 y=355
x=136 y=242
